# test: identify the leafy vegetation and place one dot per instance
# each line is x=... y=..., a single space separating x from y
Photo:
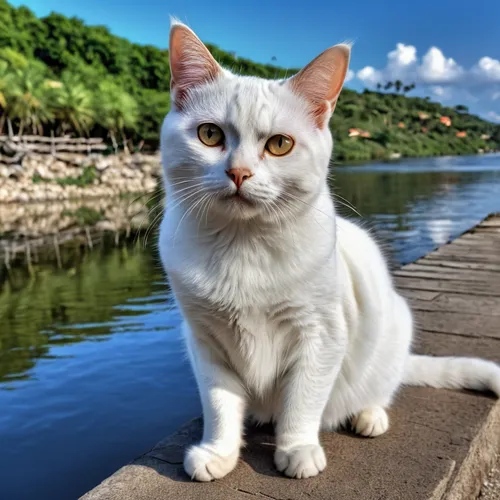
x=87 y=177
x=84 y=216
x=37 y=311
x=59 y=76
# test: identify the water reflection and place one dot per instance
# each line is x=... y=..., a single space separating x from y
x=414 y=208
x=91 y=363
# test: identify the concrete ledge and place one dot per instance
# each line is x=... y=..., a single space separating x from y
x=439 y=441
x=441 y=444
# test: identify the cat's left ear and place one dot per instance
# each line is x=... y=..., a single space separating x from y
x=191 y=63
x=320 y=82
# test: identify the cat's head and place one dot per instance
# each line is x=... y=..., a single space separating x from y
x=242 y=147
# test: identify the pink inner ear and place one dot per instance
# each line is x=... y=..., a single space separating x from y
x=320 y=82
x=191 y=63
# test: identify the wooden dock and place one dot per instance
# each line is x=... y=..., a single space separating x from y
x=441 y=443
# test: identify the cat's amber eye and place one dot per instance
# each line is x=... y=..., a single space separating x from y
x=211 y=135
x=279 y=145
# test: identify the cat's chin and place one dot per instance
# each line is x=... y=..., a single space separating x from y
x=239 y=206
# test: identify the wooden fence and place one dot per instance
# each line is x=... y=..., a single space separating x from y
x=50 y=145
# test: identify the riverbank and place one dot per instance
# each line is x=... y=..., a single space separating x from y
x=35 y=177
x=33 y=233
x=64 y=176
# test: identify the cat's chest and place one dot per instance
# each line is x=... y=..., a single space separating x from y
x=236 y=277
x=260 y=344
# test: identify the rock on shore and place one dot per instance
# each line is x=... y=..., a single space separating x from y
x=38 y=177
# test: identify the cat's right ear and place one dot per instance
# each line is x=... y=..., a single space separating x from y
x=321 y=81
x=191 y=63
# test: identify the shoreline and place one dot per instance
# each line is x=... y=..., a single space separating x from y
x=62 y=176
x=76 y=176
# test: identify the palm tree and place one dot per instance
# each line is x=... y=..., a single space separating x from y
x=397 y=85
x=29 y=99
x=72 y=104
x=407 y=88
x=116 y=111
x=388 y=85
x=4 y=75
x=4 y=89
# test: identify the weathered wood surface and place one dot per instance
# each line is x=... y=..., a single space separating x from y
x=50 y=140
x=441 y=443
x=49 y=145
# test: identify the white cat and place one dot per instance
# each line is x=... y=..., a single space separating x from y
x=290 y=314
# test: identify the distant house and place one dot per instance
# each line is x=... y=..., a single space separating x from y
x=445 y=120
x=357 y=132
x=423 y=116
x=461 y=134
x=401 y=125
x=485 y=137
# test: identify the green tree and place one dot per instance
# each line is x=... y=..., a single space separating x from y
x=116 y=111
x=72 y=104
x=28 y=101
x=398 y=84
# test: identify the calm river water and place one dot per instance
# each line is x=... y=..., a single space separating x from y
x=92 y=371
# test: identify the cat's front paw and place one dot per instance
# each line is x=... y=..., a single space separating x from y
x=300 y=461
x=203 y=463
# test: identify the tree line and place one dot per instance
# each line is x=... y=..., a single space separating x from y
x=59 y=76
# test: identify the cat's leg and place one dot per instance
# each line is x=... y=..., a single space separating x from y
x=304 y=397
x=223 y=401
x=371 y=422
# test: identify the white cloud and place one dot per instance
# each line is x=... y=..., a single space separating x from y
x=494 y=116
x=403 y=64
x=436 y=74
x=488 y=68
x=401 y=60
x=439 y=91
x=436 y=68
x=349 y=76
x=370 y=75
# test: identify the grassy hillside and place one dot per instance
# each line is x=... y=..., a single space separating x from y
x=58 y=75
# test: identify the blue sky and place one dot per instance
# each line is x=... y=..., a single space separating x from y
x=450 y=49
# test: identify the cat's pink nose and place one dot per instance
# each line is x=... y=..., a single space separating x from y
x=239 y=175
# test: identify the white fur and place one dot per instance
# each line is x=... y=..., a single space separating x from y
x=290 y=312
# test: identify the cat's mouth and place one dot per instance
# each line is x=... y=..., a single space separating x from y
x=240 y=199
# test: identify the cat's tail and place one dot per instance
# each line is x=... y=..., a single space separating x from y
x=453 y=373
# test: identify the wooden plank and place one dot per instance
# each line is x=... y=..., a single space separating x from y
x=47 y=148
x=483 y=242
x=463 y=303
x=442 y=275
x=435 y=285
x=479 y=271
x=449 y=250
x=449 y=344
x=493 y=222
x=436 y=257
x=50 y=140
x=419 y=294
x=466 y=256
x=450 y=264
x=475 y=325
